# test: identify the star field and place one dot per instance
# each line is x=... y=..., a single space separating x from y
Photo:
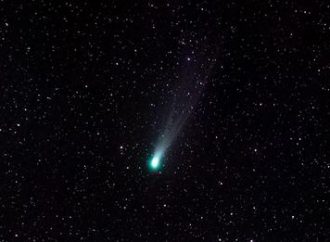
x=86 y=89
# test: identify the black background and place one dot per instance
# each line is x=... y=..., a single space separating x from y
x=84 y=91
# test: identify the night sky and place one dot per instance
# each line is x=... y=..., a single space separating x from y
x=87 y=89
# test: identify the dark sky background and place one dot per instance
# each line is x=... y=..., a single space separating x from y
x=85 y=88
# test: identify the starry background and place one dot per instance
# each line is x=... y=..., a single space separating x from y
x=84 y=90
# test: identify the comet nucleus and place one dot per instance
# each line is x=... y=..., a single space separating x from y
x=155 y=161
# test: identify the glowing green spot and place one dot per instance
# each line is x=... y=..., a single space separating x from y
x=155 y=162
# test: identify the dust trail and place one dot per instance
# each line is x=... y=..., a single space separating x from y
x=194 y=77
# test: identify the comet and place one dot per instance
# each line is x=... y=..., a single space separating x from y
x=194 y=77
